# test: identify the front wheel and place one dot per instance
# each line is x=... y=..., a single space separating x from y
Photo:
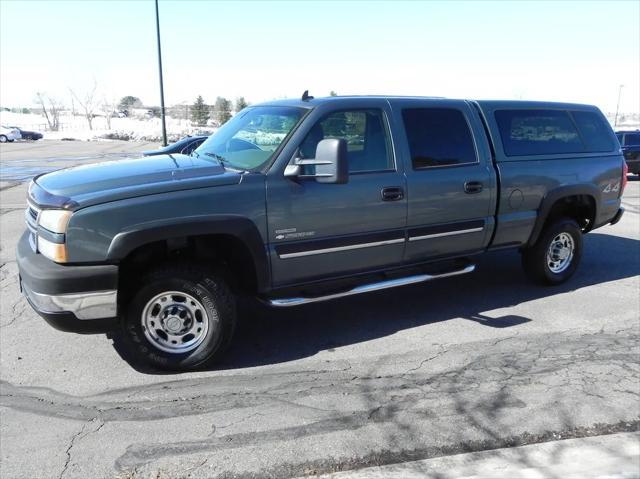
x=555 y=256
x=3 y=139
x=182 y=318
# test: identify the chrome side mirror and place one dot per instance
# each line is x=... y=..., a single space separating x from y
x=330 y=162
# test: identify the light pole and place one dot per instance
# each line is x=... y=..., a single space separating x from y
x=164 y=124
x=615 y=121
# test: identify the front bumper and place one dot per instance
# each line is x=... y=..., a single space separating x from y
x=81 y=299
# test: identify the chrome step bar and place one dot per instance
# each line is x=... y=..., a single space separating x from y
x=368 y=288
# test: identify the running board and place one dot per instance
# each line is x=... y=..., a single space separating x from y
x=368 y=288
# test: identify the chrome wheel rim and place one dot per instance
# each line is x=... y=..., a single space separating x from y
x=175 y=322
x=560 y=253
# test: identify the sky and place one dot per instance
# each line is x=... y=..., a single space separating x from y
x=575 y=51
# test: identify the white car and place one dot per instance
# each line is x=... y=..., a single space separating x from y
x=9 y=134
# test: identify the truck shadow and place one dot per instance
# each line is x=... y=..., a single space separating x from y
x=270 y=336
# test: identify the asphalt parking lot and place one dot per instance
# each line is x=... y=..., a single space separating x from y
x=478 y=362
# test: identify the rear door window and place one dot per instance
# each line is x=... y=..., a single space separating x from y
x=438 y=137
x=538 y=132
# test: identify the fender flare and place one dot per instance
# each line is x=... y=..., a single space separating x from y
x=552 y=196
x=239 y=227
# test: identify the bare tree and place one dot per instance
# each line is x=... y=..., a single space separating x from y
x=108 y=108
x=87 y=103
x=50 y=109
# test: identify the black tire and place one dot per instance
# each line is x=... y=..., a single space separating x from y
x=3 y=139
x=535 y=261
x=215 y=298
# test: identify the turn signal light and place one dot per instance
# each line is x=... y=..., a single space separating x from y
x=54 y=251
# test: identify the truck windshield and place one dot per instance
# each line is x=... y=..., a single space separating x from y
x=250 y=138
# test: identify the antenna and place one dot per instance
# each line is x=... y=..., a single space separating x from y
x=306 y=96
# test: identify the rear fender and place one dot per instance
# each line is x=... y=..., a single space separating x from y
x=553 y=196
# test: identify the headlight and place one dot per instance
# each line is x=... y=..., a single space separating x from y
x=54 y=251
x=55 y=221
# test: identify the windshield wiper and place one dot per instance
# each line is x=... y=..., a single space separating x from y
x=220 y=158
x=224 y=161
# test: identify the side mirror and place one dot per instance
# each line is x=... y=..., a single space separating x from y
x=330 y=162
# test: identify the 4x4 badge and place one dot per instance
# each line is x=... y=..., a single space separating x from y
x=611 y=188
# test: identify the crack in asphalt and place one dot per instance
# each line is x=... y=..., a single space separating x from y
x=72 y=442
x=198 y=466
x=426 y=360
x=18 y=309
x=7 y=274
x=214 y=428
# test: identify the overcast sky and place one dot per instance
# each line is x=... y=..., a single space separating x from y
x=567 y=51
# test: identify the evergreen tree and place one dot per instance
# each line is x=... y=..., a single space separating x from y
x=129 y=101
x=241 y=103
x=222 y=110
x=199 y=112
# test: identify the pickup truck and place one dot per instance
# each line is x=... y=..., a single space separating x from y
x=306 y=200
x=630 y=142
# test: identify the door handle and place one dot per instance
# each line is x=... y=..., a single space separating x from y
x=392 y=193
x=473 y=187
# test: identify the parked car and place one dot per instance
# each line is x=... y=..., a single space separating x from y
x=8 y=133
x=28 y=135
x=185 y=146
x=278 y=206
x=630 y=143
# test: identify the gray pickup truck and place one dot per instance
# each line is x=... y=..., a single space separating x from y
x=300 y=201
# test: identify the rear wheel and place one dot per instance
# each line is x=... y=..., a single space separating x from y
x=181 y=318
x=555 y=256
x=3 y=139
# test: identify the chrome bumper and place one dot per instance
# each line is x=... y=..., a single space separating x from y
x=90 y=305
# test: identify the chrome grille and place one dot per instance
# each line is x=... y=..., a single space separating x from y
x=31 y=218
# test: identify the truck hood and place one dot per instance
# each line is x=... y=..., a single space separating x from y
x=86 y=185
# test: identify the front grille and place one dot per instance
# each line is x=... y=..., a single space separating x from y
x=31 y=218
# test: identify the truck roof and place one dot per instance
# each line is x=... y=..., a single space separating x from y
x=313 y=101
x=488 y=104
